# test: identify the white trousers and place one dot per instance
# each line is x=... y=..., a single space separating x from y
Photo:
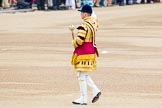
x=84 y=80
x=50 y=3
x=5 y=3
x=70 y=3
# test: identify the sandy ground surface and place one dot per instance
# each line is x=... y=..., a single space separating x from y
x=35 y=54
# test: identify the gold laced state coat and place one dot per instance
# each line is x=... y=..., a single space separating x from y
x=85 y=62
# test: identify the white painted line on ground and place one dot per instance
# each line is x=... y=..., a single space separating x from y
x=104 y=52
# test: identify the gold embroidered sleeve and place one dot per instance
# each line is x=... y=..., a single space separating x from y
x=82 y=32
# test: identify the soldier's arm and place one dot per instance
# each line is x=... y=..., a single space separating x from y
x=82 y=32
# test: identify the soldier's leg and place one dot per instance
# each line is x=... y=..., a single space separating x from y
x=42 y=4
x=50 y=3
x=5 y=4
x=0 y=3
x=83 y=89
x=95 y=90
x=38 y=4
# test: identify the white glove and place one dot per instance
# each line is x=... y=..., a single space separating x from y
x=71 y=27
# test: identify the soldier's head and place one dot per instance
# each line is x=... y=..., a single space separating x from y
x=86 y=11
